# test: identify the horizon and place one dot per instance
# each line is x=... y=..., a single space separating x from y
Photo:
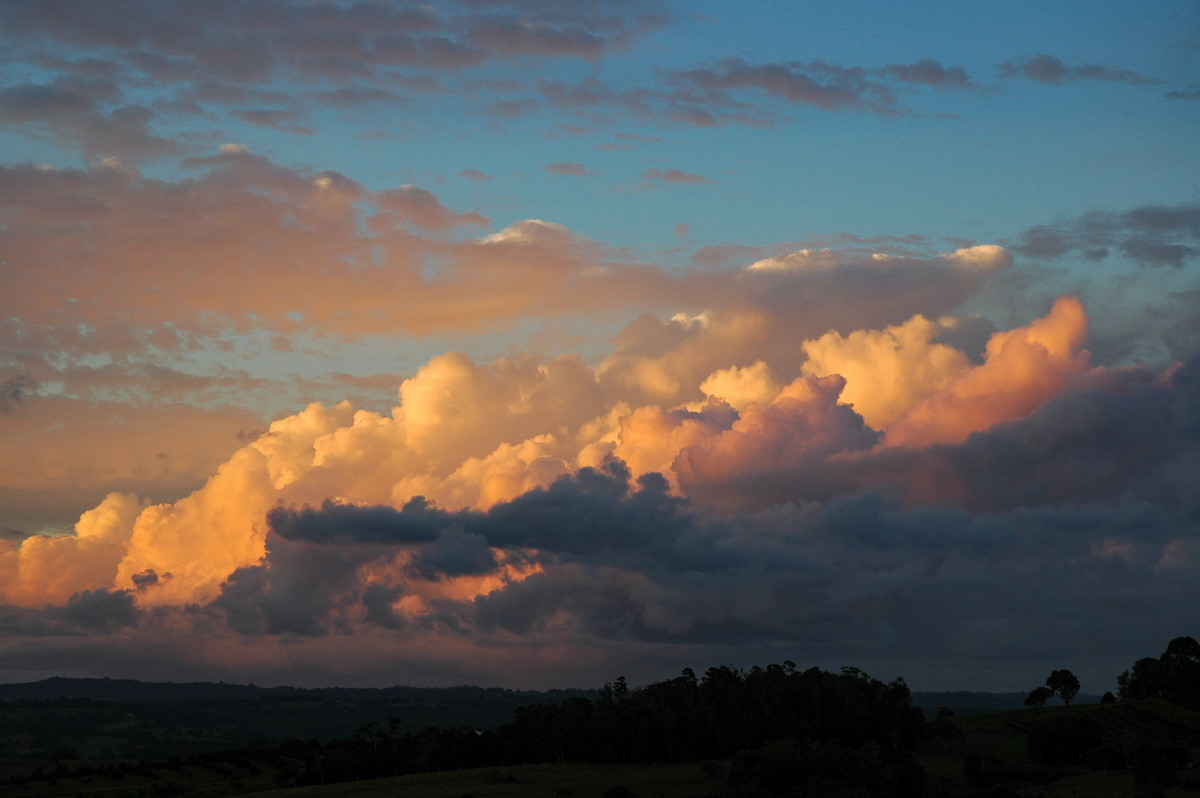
x=514 y=342
x=1083 y=694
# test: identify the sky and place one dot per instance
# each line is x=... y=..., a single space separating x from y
x=528 y=344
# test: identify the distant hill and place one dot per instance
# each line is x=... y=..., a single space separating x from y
x=165 y=692
x=158 y=720
x=962 y=702
x=965 y=702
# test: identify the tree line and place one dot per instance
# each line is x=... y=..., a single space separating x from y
x=763 y=713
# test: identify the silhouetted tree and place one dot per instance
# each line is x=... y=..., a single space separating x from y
x=1175 y=676
x=1063 y=684
x=1038 y=697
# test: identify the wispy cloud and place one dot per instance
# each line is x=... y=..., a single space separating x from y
x=1050 y=69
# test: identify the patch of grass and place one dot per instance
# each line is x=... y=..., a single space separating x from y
x=676 y=780
x=1000 y=740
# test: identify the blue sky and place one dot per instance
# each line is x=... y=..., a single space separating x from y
x=858 y=300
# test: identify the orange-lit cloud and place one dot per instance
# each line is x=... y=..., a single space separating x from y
x=49 y=570
x=468 y=435
x=1022 y=369
x=887 y=371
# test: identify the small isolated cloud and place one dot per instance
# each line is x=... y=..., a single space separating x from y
x=476 y=175
x=674 y=176
x=1044 y=68
x=570 y=168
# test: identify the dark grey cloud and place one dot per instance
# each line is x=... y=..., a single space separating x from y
x=590 y=511
x=89 y=612
x=1049 y=69
x=332 y=523
x=101 y=610
x=599 y=602
x=14 y=390
x=1151 y=235
x=1184 y=94
x=377 y=601
x=455 y=552
x=298 y=589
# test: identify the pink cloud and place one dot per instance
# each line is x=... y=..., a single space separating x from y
x=674 y=176
x=570 y=168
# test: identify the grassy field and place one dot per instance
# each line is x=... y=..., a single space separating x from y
x=1001 y=740
x=998 y=742
x=528 y=781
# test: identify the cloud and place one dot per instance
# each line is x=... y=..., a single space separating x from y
x=887 y=371
x=53 y=569
x=776 y=452
x=101 y=610
x=84 y=115
x=475 y=174
x=818 y=83
x=423 y=209
x=528 y=37
x=284 y=119
x=294 y=56
x=514 y=109
x=1184 y=94
x=570 y=168
x=1022 y=368
x=1151 y=235
x=13 y=391
x=674 y=176
x=836 y=547
x=1049 y=69
x=506 y=435
x=930 y=72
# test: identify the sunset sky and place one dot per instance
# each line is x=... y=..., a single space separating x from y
x=532 y=343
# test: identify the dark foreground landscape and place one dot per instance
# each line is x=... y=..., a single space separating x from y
x=773 y=731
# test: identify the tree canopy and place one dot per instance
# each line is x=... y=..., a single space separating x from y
x=1175 y=676
x=1063 y=684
